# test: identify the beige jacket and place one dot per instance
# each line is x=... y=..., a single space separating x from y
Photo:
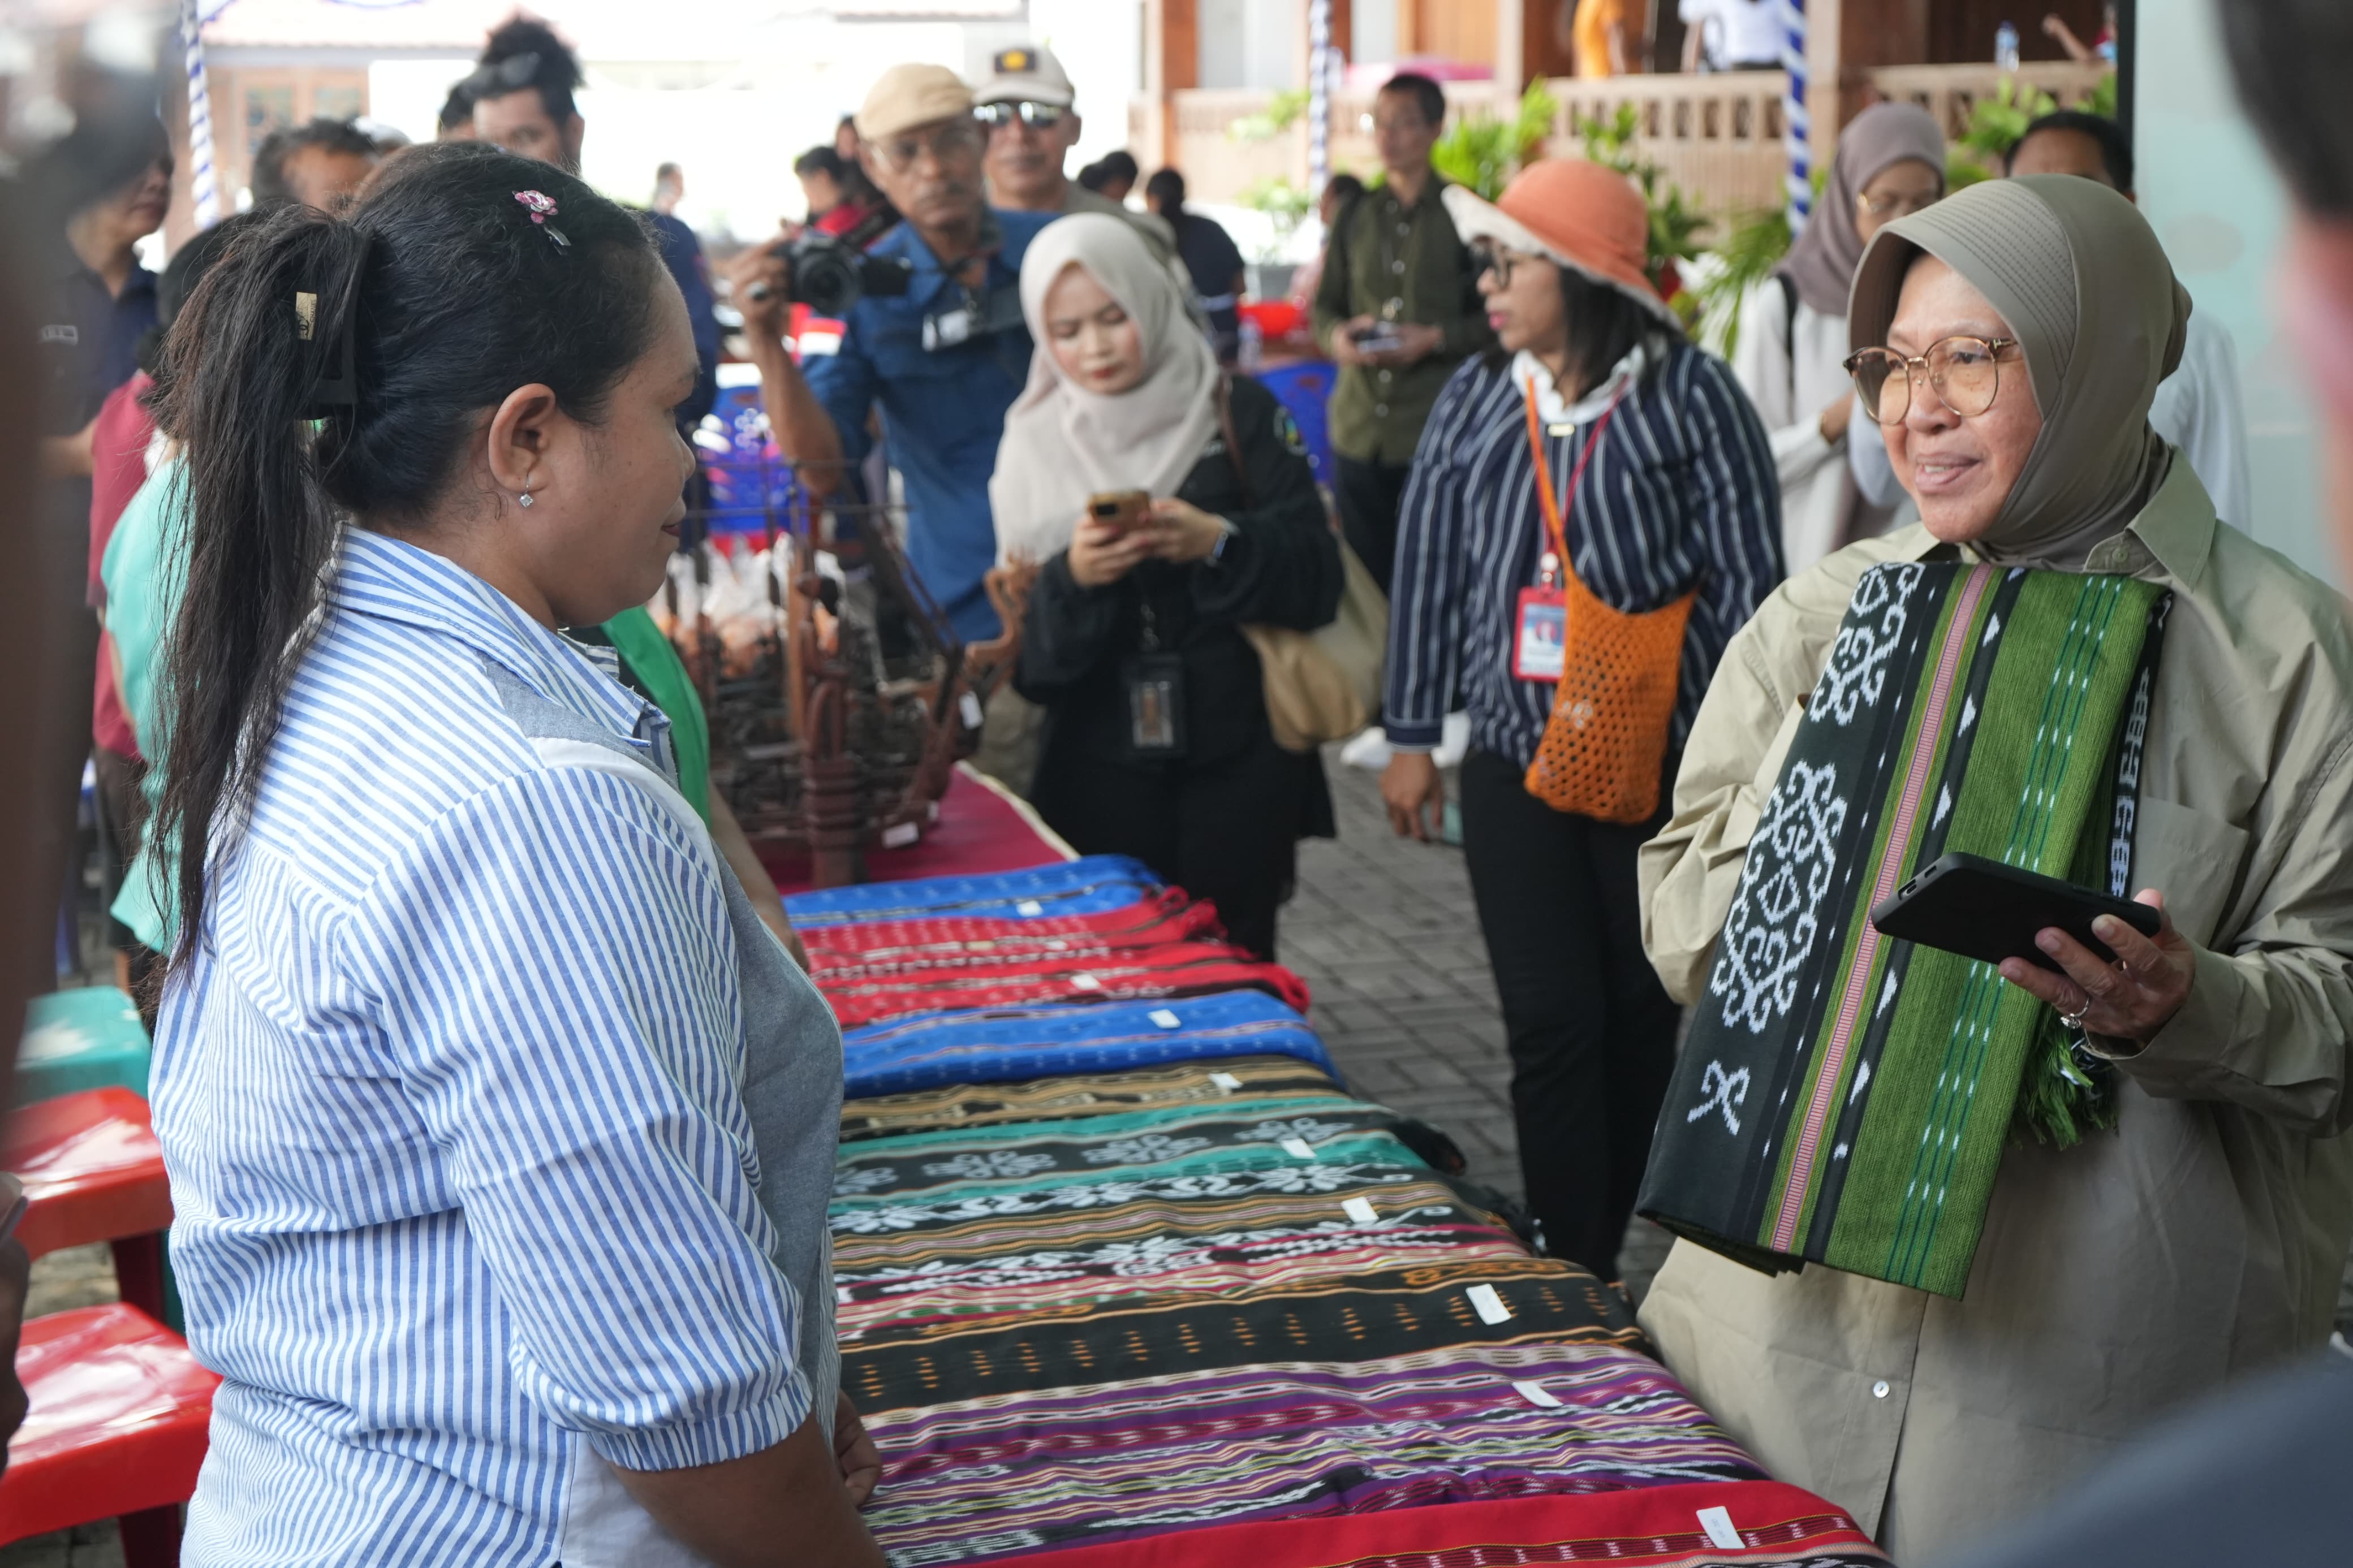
x=2205 y=1236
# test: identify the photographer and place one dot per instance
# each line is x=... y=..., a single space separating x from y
x=943 y=355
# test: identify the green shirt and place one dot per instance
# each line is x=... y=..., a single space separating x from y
x=1399 y=263
x=141 y=572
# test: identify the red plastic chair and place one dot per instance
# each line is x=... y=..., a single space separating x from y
x=94 y=1172
x=116 y=1430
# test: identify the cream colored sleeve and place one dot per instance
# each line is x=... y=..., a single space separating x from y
x=1689 y=872
x=2268 y=1016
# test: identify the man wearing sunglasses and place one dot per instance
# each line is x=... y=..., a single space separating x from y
x=942 y=362
x=1026 y=105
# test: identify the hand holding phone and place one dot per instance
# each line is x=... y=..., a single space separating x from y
x=2114 y=967
x=1124 y=511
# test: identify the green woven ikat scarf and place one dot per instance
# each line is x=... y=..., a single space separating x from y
x=1844 y=1098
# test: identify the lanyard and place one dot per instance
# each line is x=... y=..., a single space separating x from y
x=1553 y=523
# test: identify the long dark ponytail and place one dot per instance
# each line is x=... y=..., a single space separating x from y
x=338 y=365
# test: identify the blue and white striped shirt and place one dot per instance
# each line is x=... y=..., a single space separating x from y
x=452 y=1100
x=1680 y=493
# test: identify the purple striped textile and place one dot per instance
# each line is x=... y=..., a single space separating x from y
x=983 y=1479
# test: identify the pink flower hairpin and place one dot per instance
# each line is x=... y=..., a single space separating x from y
x=542 y=207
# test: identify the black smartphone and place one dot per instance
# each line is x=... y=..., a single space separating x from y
x=1984 y=909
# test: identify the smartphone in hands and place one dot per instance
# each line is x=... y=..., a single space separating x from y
x=1987 y=910
x=1125 y=511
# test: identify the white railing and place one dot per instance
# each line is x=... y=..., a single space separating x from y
x=1717 y=137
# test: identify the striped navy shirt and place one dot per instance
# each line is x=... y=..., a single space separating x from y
x=464 y=1184
x=1680 y=493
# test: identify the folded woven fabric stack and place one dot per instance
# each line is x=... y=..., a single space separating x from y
x=1138 y=1281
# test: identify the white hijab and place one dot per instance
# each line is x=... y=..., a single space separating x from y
x=1063 y=444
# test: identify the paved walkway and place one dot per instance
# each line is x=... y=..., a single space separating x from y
x=1383 y=932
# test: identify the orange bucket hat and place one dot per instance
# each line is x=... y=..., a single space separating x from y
x=1573 y=212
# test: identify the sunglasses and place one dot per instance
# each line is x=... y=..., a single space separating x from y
x=1036 y=116
x=491 y=79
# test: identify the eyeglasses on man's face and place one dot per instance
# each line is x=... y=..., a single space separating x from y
x=1965 y=373
x=1036 y=116
x=950 y=143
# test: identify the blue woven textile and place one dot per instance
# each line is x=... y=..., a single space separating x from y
x=1087 y=886
x=996 y=1045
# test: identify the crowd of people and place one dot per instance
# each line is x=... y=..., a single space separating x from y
x=402 y=784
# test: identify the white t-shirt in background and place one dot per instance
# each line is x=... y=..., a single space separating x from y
x=1736 y=32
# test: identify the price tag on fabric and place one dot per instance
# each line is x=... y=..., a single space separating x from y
x=1299 y=1148
x=1028 y=907
x=1085 y=982
x=899 y=834
x=1538 y=645
x=1537 y=1393
x=1488 y=1305
x=968 y=706
x=1227 y=1082
x=1360 y=1210
x=1717 y=1522
x=1169 y=1020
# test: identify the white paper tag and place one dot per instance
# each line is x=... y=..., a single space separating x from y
x=1028 y=907
x=899 y=834
x=1360 y=1210
x=1717 y=1522
x=1085 y=982
x=1299 y=1148
x=1227 y=1082
x=1537 y=1393
x=969 y=706
x=1488 y=1305
x=1169 y=1020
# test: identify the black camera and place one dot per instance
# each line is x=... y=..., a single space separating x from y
x=830 y=276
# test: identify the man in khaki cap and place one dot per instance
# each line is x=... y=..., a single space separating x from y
x=943 y=361
x=1025 y=103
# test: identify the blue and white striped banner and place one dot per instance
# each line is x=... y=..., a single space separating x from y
x=1796 y=129
x=204 y=181
x=1322 y=67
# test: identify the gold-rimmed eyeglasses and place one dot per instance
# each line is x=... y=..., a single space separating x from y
x=1965 y=373
x=951 y=141
x=1902 y=205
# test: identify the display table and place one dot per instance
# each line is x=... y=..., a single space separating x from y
x=983 y=826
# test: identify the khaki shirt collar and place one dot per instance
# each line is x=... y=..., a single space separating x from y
x=2174 y=532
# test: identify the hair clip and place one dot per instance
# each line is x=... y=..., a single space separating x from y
x=542 y=207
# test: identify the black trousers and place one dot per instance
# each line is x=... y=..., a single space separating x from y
x=1369 y=496
x=1227 y=832
x=1591 y=1031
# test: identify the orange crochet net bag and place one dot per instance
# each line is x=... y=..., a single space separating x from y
x=1606 y=743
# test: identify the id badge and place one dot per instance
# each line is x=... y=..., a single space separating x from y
x=1155 y=684
x=1540 y=636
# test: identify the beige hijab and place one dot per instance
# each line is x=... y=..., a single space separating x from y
x=1063 y=444
x=2079 y=276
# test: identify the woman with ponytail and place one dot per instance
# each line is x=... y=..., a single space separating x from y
x=501 y=1130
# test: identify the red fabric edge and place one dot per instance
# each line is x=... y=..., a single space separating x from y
x=1641 y=1527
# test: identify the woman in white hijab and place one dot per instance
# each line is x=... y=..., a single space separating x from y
x=1158 y=744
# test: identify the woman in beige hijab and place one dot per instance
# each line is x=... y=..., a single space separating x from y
x=1158 y=744
x=2031 y=320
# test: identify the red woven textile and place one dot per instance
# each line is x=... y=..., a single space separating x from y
x=891 y=950
x=1643 y=1527
x=1175 y=969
